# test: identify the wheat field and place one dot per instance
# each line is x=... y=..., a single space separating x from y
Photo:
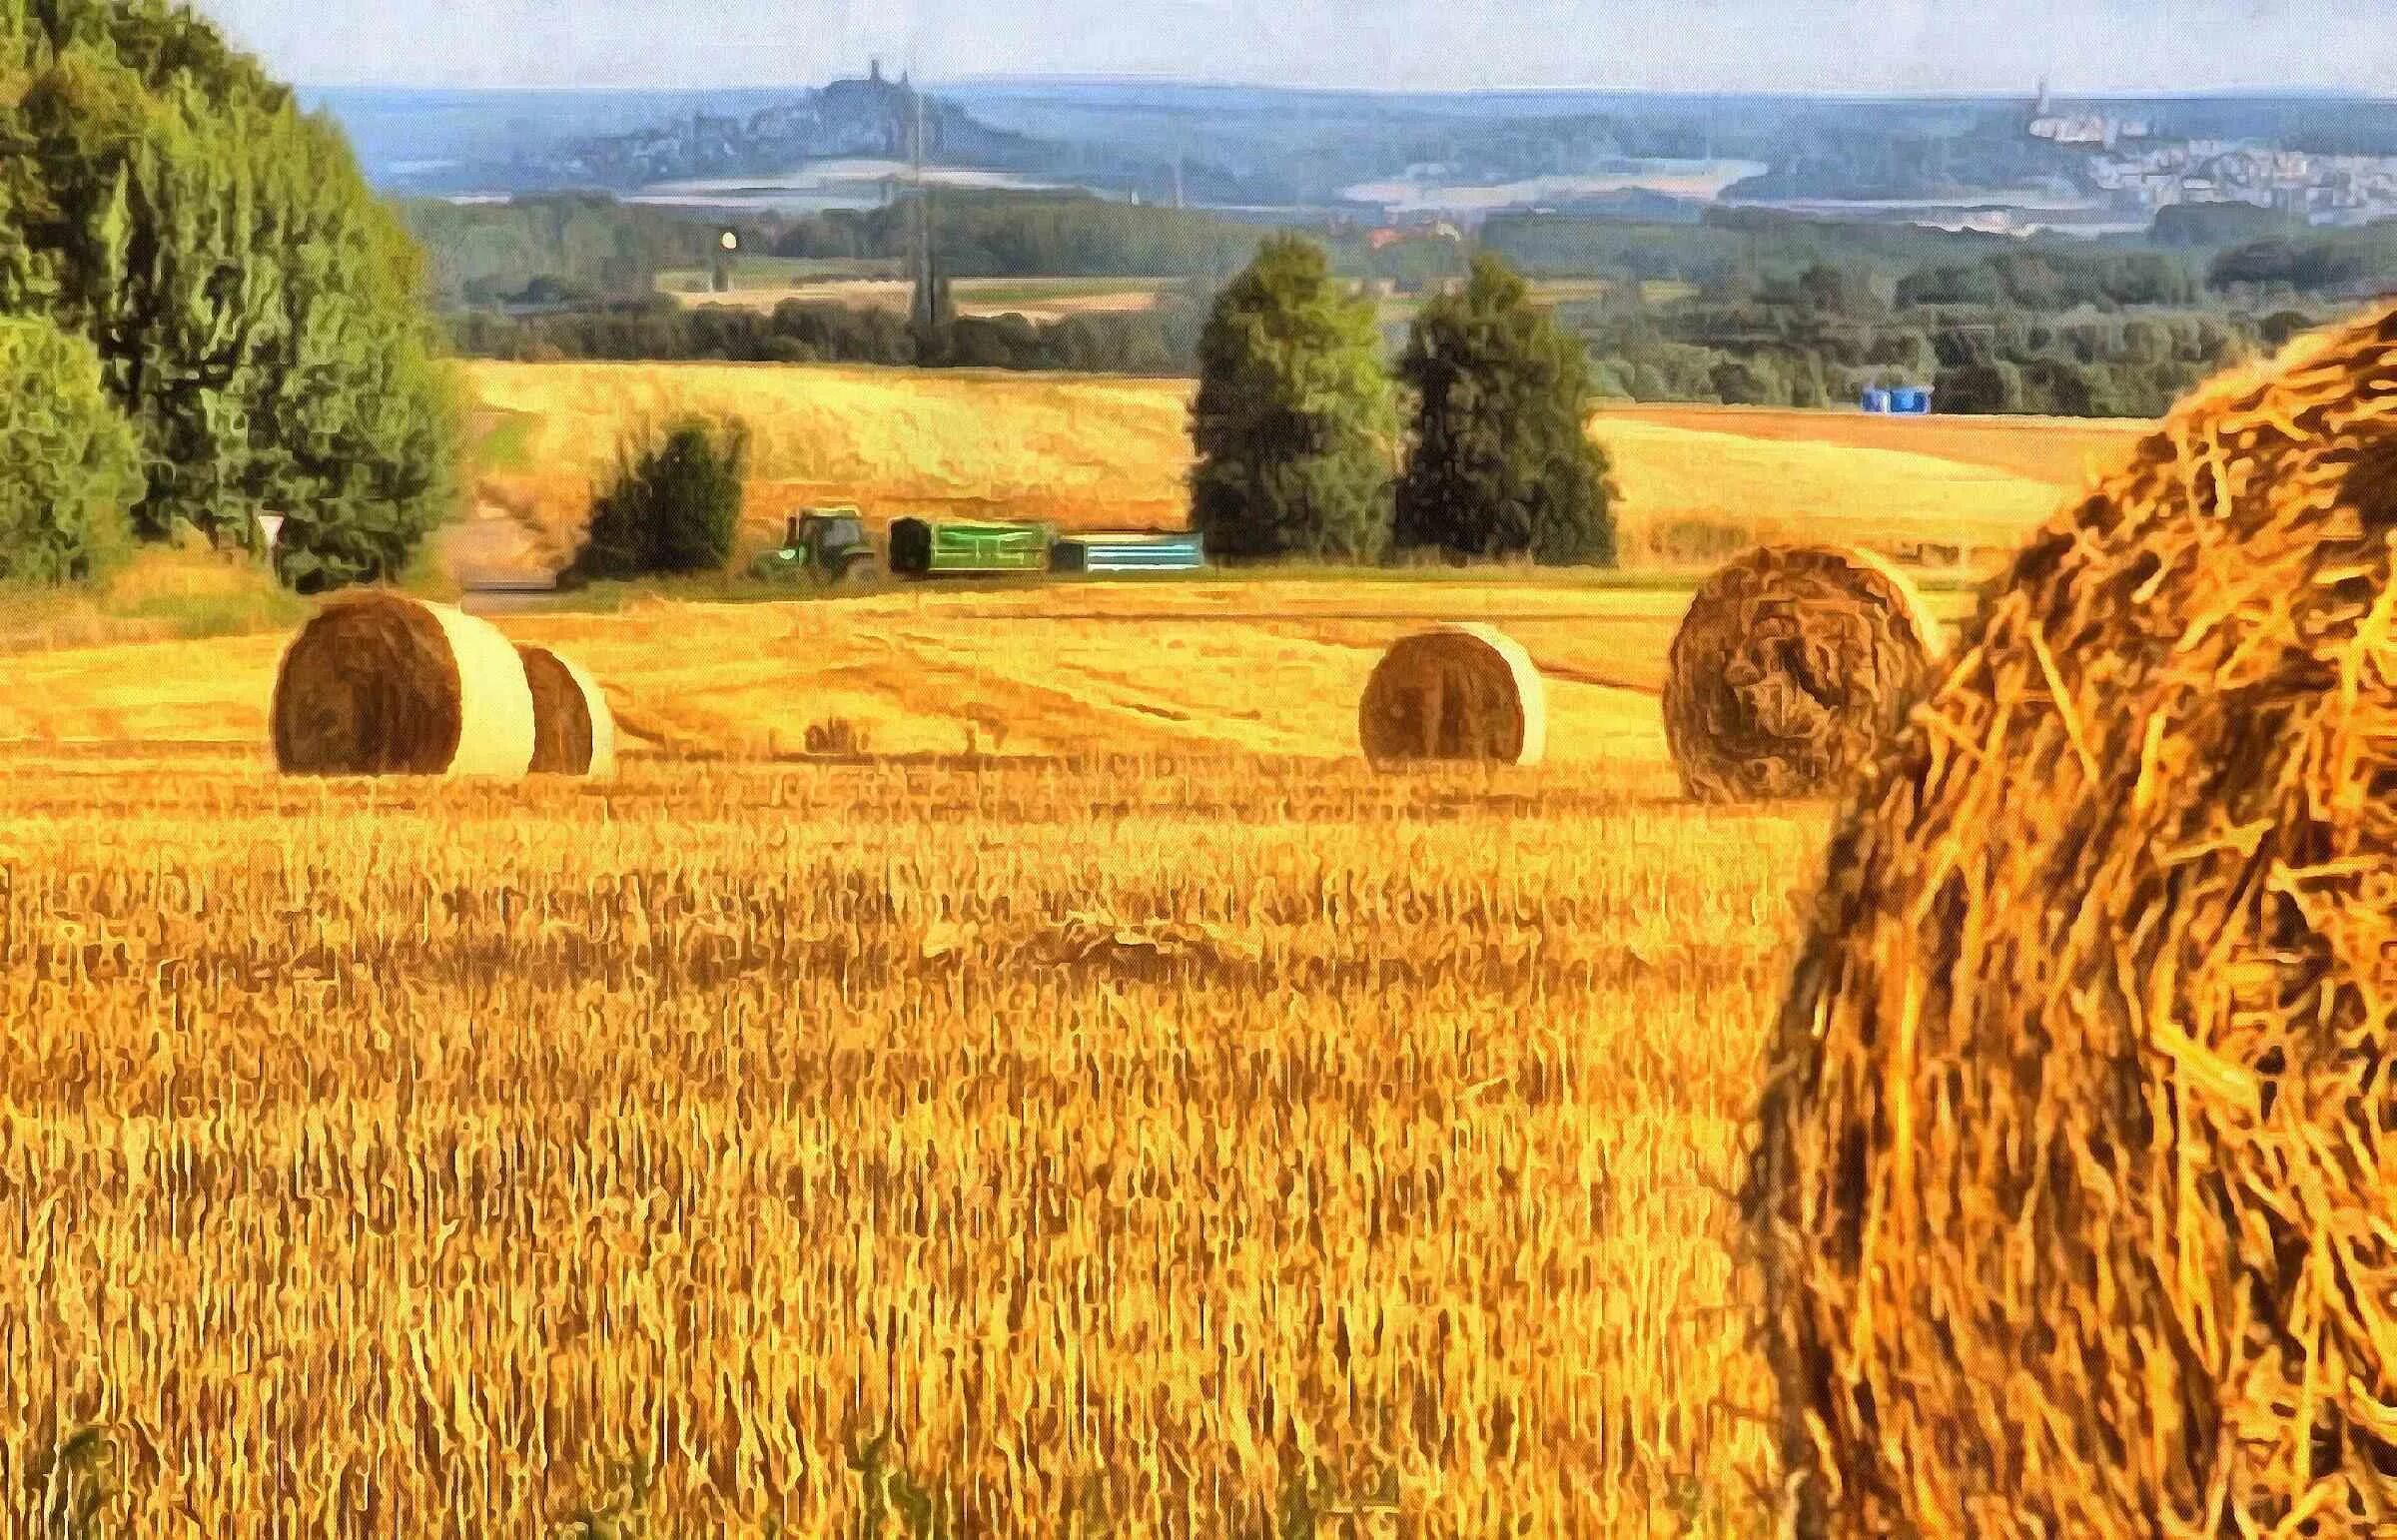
x=1250 y=666
x=996 y=1063
x=1149 y=1123
x=1159 y=1145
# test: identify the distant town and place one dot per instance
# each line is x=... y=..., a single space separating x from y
x=2141 y=172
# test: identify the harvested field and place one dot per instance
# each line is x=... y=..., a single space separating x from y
x=1698 y=487
x=1108 y=1106
x=2063 y=452
x=1170 y=1143
x=1239 y=667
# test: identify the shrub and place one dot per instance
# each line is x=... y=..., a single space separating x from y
x=674 y=504
x=69 y=467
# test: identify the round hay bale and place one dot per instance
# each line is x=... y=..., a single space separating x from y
x=573 y=733
x=1792 y=666
x=378 y=684
x=1459 y=692
x=2074 y=1184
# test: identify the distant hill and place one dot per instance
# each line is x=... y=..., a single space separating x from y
x=874 y=117
x=1281 y=153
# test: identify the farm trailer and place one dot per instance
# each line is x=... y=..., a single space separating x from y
x=952 y=548
x=1129 y=551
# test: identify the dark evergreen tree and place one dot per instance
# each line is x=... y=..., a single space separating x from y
x=1295 y=419
x=1499 y=463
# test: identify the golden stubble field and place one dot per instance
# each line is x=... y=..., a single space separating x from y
x=1194 y=1145
x=1152 y=1122
x=1103 y=1107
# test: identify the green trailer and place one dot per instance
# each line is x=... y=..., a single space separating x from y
x=922 y=547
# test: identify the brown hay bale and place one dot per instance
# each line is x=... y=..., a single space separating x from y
x=1459 y=692
x=2075 y=1182
x=574 y=732
x=378 y=684
x=1792 y=666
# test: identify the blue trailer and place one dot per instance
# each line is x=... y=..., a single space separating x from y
x=1911 y=401
x=1876 y=399
x=1144 y=551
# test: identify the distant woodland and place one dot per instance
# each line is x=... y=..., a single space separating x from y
x=1739 y=306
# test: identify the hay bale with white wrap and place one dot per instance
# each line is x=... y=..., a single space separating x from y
x=1461 y=692
x=380 y=684
x=1792 y=667
x=574 y=732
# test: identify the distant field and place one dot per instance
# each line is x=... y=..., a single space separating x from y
x=1035 y=298
x=1253 y=665
x=2061 y=451
x=774 y=273
x=1084 y=452
x=1697 y=482
x=1693 y=495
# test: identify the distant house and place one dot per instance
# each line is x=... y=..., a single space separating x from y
x=1383 y=239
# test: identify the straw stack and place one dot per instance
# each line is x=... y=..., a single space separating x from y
x=380 y=684
x=573 y=731
x=1792 y=666
x=2075 y=1182
x=1461 y=692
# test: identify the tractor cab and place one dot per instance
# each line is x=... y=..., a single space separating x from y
x=828 y=544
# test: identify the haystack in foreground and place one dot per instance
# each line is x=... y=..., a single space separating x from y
x=574 y=732
x=1792 y=666
x=1459 y=692
x=2076 y=1178
x=377 y=684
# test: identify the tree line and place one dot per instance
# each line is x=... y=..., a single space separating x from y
x=1159 y=341
x=567 y=246
x=204 y=313
x=1016 y=235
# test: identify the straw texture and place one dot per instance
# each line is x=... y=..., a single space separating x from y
x=2075 y=1174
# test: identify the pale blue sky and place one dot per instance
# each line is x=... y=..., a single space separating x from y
x=1827 y=45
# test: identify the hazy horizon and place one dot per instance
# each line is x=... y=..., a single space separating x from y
x=1068 y=79
x=1852 y=48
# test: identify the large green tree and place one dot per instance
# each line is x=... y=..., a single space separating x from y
x=68 y=466
x=1296 y=421
x=255 y=307
x=1499 y=462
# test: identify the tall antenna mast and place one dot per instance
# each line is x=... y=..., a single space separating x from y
x=927 y=301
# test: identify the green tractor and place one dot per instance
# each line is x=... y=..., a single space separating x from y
x=828 y=546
